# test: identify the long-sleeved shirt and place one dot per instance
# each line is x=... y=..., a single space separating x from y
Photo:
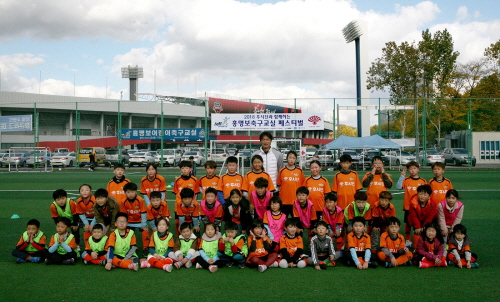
x=321 y=246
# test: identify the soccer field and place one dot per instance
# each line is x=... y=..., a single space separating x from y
x=29 y=195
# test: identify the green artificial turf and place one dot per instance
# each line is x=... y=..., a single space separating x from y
x=29 y=196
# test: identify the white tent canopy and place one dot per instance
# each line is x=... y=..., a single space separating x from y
x=367 y=142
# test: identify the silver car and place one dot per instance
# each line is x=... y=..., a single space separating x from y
x=457 y=156
x=63 y=159
x=112 y=157
x=399 y=158
x=199 y=158
x=18 y=159
x=325 y=157
x=40 y=158
x=171 y=157
x=219 y=155
x=141 y=158
x=4 y=159
x=432 y=156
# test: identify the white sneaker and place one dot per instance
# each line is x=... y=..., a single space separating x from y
x=168 y=267
x=198 y=266
x=213 y=268
x=188 y=264
x=275 y=264
x=262 y=268
x=145 y=264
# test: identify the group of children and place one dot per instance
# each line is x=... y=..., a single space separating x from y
x=263 y=225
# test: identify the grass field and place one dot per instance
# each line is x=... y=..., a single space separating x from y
x=29 y=196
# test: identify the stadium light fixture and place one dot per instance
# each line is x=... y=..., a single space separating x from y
x=133 y=73
x=352 y=32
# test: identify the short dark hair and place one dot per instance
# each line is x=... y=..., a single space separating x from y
x=155 y=194
x=385 y=194
x=261 y=182
x=412 y=164
x=185 y=163
x=59 y=193
x=331 y=196
x=98 y=226
x=191 y=157
x=210 y=224
x=119 y=165
x=34 y=222
x=424 y=188
x=257 y=156
x=121 y=214
x=452 y=192
x=64 y=220
x=321 y=223
x=231 y=226
x=157 y=221
x=211 y=164
x=101 y=193
x=211 y=190
x=130 y=187
x=231 y=159
x=377 y=157
x=90 y=187
x=151 y=165
x=358 y=219
x=265 y=133
x=393 y=220
x=291 y=153
x=303 y=190
x=275 y=199
x=314 y=161
x=360 y=195
x=257 y=223
x=345 y=158
x=186 y=193
x=460 y=229
x=186 y=225
x=291 y=222
x=438 y=164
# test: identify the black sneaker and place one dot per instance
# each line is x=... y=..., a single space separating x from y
x=323 y=265
x=47 y=262
x=69 y=261
x=372 y=264
x=229 y=263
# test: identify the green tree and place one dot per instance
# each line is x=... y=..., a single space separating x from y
x=347 y=130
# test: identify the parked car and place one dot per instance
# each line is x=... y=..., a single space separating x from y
x=38 y=157
x=369 y=154
x=141 y=158
x=4 y=159
x=310 y=152
x=231 y=151
x=131 y=151
x=63 y=159
x=171 y=157
x=357 y=160
x=18 y=159
x=112 y=157
x=324 y=156
x=99 y=152
x=199 y=158
x=399 y=158
x=432 y=156
x=457 y=156
x=218 y=155
x=61 y=150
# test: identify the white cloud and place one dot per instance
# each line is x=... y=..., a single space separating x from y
x=462 y=13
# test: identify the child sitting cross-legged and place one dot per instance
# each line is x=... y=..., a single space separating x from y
x=393 y=251
x=160 y=245
x=31 y=245
x=291 y=246
x=322 y=248
x=95 y=246
x=232 y=247
x=209 y=246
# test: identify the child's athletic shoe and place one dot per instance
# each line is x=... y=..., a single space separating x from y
x=85 y=261
x=332 y=263
x=275 y=264
x=474 y=265
x=35 y=259
x=145 y=264
x=168 y=267
x=262 y=268
x=177 y=265
x=20 y=260
x=198 y=266
x=188 y=264
x=213 y=268
x=102 y=262
x=323 y=265
x=388 y=265
x=134 y=266
x=242 y=265
x=372 y=264
x=423 y=264
x=229 y=263
x=69 y=261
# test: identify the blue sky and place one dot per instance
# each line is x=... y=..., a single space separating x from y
x=247 y=49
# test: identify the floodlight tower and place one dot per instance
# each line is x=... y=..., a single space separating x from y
x=133 y=73
x=353 y=32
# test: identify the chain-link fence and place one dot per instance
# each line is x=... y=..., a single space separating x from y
x=74 y=122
